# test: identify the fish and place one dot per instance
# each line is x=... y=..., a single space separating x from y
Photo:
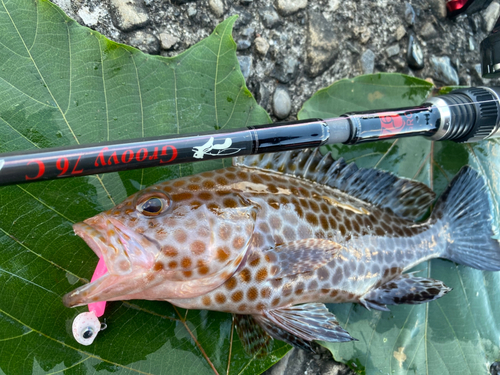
x=275 y=237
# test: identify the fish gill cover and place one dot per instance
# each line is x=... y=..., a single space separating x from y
x=63 y=84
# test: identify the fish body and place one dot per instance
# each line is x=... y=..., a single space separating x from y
x=274 y=237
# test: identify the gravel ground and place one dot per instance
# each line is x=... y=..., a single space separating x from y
x=289 y=49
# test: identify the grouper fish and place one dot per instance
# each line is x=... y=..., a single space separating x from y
x=275 y=236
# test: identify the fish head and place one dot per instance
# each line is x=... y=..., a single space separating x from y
x=167 y=241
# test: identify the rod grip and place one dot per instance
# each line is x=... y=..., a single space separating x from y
x=474 y=114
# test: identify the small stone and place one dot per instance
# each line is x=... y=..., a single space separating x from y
x=443 y=71
x=333 y=5
x=428 y=31
x=400 y=32
x=392 y=50
x=286 y=70
x=269 y=17
x=363 y=33
x=289 y=7
x=217 y=7
x=495 y=368
x=368 y=61
x=66 y=6
x=245 y=65
x=243 y=44
x=261 y=45
x=474 y=22
x=399 y=62
x=128 y=15
x=322 y=45
x=490 y=16
x=466 y=80
x=438 y=8
x=409 y=14
x=146 y=42
x=245 y=17
x=262 y=94
x=91 y=18
x=192 y=10
x=415 y=55
x=168 y=41
x=351 y=47
x=472 y=44
x=248 y=32
x=478 y=70
x=282 y=104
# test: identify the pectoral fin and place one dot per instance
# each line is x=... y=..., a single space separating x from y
x=405 y=288
x=302 y=324
x=301 y=256
x=280 y=334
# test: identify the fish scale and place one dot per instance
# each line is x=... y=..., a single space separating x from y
x=275 y=236
x=345 y=278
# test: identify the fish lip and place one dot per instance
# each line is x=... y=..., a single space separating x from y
x=80 y=296
x=136 y=249
x=84 y=230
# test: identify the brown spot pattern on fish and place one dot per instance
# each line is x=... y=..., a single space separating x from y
x=272 y=232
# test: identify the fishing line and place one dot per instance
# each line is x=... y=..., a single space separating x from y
x=464 y=115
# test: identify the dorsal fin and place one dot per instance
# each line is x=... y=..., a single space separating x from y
x=406 y=198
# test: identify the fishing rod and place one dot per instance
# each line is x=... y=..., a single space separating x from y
x=464 y=115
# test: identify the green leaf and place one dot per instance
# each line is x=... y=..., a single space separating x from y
x=459 y=333
x=63 y=84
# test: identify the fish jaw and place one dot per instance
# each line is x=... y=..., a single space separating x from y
x=89 y=293
x=123 y=251
x=147 y=285
x=127 y=258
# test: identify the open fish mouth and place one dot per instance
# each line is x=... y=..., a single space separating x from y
x=122 y=249
x=124 y=252
x=94 y=238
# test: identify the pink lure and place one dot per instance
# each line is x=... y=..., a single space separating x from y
x=98 y=307
x=86 y=325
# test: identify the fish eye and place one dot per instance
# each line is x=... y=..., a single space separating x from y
x=153 y=204
x=88 y=333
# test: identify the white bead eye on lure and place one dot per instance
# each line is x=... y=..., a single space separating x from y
x=85 y=327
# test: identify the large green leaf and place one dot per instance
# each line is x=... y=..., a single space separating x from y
x=63 y=84
x=459 y=333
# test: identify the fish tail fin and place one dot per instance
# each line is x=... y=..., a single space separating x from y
x=464 y=210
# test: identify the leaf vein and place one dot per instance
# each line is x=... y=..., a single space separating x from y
x=73 y=348
x=16 y=337
x=40 y=73
x=234 y=106
x=183 y=321
x=38 y=255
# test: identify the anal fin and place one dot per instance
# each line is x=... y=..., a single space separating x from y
x=301 y=324
x=255 y=339
x=405 y=288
